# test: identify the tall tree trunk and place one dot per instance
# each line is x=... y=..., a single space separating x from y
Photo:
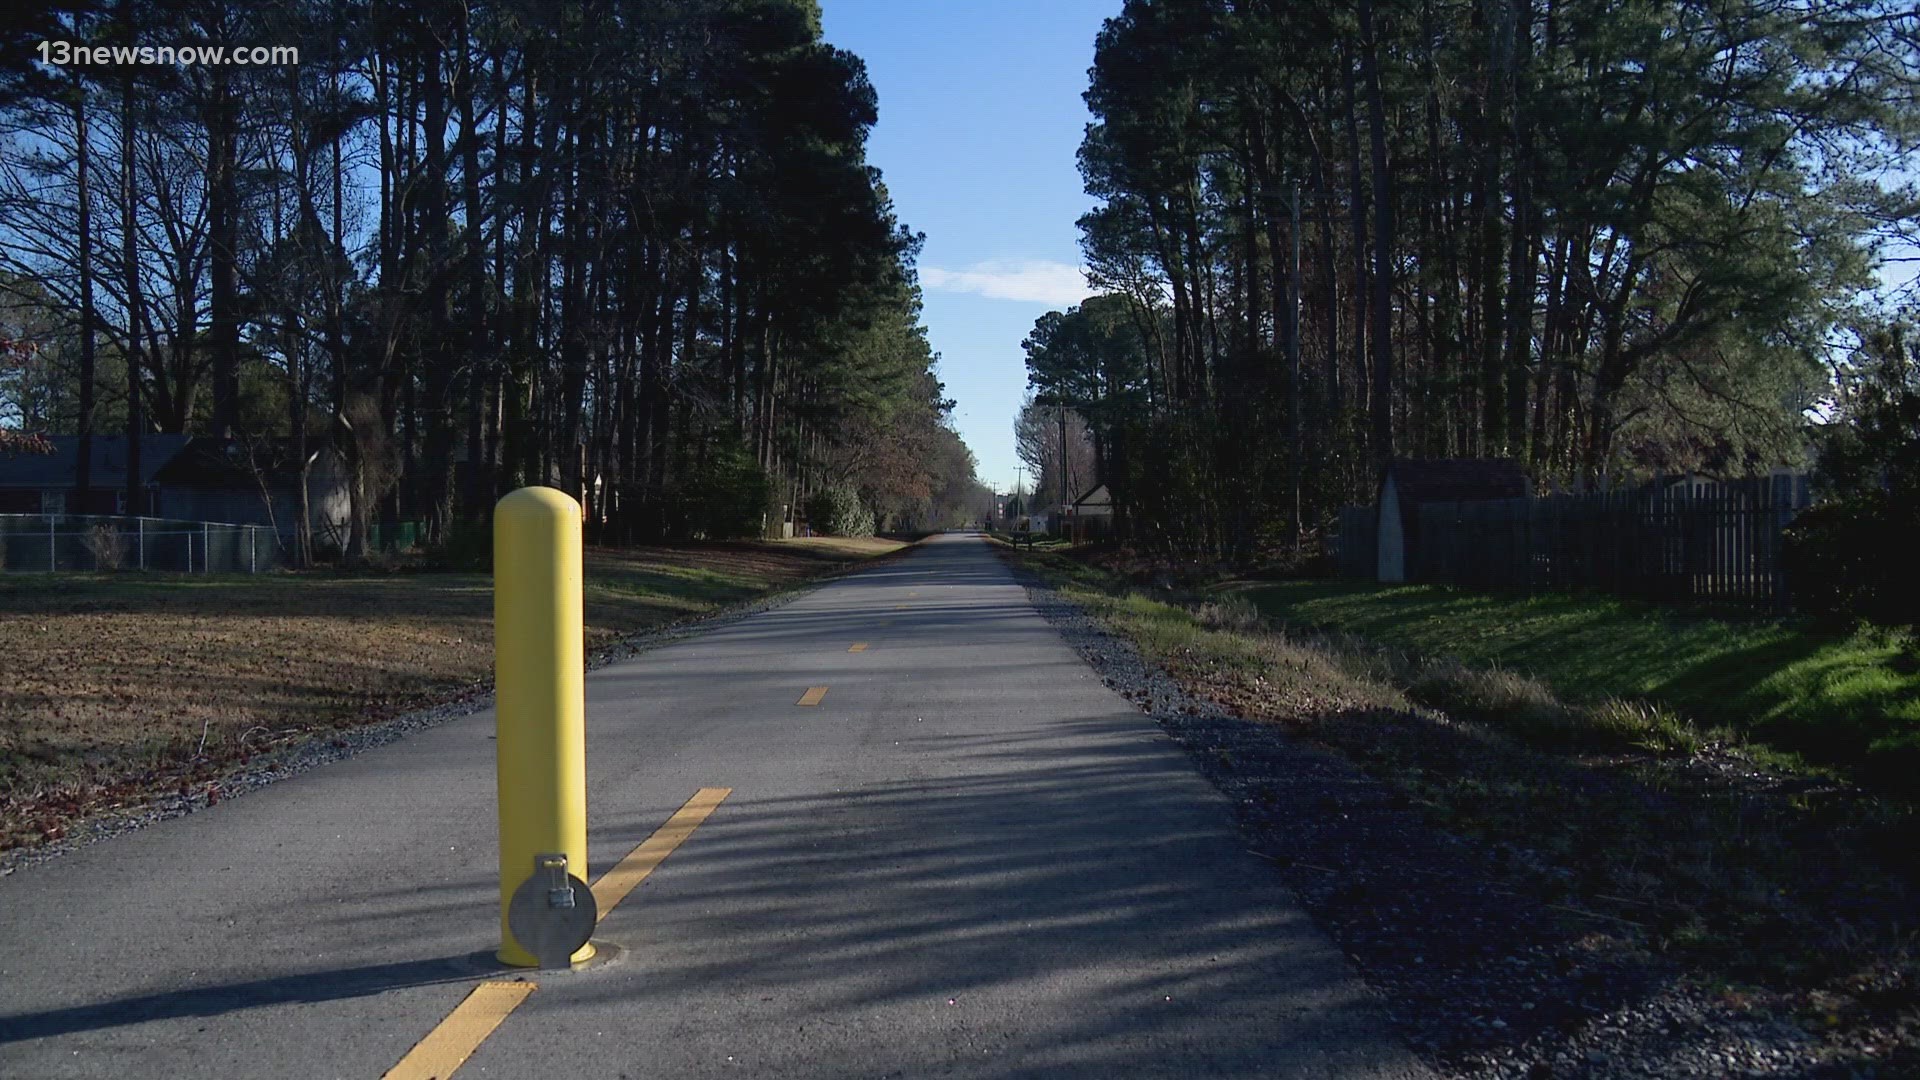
x=223 y=213
x=83 y=145
x=1487 y=126
x=1364 y=384
x=130 y=257
x=1382 y=240
x=475 y=501
x=439 y=358
x=1523 y=255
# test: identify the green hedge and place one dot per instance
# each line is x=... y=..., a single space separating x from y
x=838 y=511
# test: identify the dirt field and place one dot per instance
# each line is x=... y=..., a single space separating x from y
x=113 y=684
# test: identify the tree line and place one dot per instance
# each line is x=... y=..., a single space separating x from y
x=1605 y=239
x=630 y=248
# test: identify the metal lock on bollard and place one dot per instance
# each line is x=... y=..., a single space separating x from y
x=552 y=913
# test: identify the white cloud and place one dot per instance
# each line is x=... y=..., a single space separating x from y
x=1034 y=281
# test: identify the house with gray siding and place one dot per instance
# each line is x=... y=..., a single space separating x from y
x=255 y=482
x=44 y=483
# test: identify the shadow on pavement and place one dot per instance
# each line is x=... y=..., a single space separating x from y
x=202 y=1001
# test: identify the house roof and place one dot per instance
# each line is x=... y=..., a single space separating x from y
x=1099 y=496
x=209 y=462
x=1456 y=479
x=107 y=471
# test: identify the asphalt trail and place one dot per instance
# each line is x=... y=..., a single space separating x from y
x=970 y=858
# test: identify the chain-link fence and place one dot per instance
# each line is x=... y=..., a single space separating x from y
x=49 y=542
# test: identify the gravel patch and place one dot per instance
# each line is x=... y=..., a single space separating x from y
x=336 y=744
x=1481 y=971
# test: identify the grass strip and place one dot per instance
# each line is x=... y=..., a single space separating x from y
x=1781 y=886
x=1847 y=700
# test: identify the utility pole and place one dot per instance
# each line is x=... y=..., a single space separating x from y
x=1293 y=359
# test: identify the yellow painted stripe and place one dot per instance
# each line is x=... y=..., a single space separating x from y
x=454 y=1040
x=615 y=884
x=813 y=695
x=858 y=646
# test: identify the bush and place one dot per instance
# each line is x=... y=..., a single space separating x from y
x=724 y=497
x=107 y=545
x=1849 y=560
x=466 y=545
x=1235 y=613
x=838 y=511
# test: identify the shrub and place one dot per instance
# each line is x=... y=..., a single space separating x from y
x=107 y=545
x=465 y=545
x=724 y=497
x=1229 y=613
x=1849 y=560
x=838 y=511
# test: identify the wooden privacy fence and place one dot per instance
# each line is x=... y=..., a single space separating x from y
x=1357 y=542
x=1672 y=540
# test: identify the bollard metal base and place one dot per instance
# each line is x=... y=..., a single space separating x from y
x=487 y=962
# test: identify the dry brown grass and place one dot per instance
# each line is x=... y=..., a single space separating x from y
x=113 y=684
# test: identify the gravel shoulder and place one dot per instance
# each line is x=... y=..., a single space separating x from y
x=1486 y=966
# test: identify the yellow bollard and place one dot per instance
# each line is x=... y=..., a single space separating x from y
x=539 y=693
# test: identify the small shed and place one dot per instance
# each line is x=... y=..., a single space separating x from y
x=1095 y=503
x=1408 y=482
x=1092 y=516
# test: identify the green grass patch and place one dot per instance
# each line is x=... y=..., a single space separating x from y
x=1633 y=823
x=1849 y=700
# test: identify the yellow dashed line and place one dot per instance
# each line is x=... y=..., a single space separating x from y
x=454 y=1040
x=615 y=884
x=858 y=646
x=813 y=695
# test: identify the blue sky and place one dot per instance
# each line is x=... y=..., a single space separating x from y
x=980 y=116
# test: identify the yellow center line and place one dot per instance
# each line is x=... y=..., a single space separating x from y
x=858 y=646
x=813 y=695
x=454 y=1039
x=449 y=1045
x=615 y=884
